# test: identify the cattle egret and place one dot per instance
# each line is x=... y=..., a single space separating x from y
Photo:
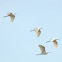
x=38 y=31
x=43 y=52
x=54 y=40
x=11 y=15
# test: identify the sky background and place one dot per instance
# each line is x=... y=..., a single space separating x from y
x=17 y=43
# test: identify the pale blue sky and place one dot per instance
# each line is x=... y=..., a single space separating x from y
x=17 y=43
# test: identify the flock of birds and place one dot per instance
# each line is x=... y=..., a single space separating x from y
x=42 y=48
x=38 y=32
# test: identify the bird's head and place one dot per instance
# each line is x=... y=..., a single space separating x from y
x=39 y=29
x=54 y=39
x=39 y=45
x=11 y=13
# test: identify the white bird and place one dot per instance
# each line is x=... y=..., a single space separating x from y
x=12 y=16
x=43 y=52
x=54 y=40
x=38 y=31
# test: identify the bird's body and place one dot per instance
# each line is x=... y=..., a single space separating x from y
x=43 y=52
x=38 y=31
x=12 y=16
x=54 y=40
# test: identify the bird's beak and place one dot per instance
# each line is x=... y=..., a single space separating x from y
x=47 y=41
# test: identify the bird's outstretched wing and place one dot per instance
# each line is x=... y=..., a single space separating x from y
x=55 y=43
x=42 y=48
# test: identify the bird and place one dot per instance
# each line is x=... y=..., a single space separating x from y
x=54 y=40
x=12 y=15
x=43 y=52
x=38 y=31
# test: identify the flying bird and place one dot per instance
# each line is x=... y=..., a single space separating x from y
x=38 y=31
x=54 y=40
x=43 y=52
x=12 y=16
